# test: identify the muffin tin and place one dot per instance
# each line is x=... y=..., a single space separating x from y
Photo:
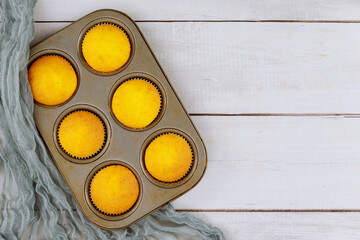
x=124 y=146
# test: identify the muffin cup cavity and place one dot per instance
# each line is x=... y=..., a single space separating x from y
x=159 y=113
x=187 y=175
x=114 y=23
x=67 y=58
x=92 y=155
x=192 y=160
x=90 y=201
x=104 y=122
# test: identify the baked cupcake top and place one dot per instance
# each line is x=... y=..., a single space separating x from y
x=114 y=189
x=136 y=103
x=106 y=48
x=52 y=80
x=168 y=158
x=81 y=134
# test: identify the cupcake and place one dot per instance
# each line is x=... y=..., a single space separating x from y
x=52 y=80
x=81 y=134
x=114 y=190
x=106 y=48
x=168 y=158
x=136 y=103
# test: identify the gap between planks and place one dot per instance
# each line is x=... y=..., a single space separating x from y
x=253 y=210
x=271 y=210
x=345 y=115
x=225 y=21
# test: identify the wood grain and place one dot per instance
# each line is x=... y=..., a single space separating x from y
x=285 y=226
x=269 y=226
x=280 y=67
x=242 y=68
x=278 y=163
x=52 y=10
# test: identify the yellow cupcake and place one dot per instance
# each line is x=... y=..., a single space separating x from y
x=81 y=134
x=52 y=80
x=168 y=158
x=136 y=103
x=114 y=189
x=106 y=48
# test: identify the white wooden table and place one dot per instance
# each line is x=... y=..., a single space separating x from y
x=274 y=89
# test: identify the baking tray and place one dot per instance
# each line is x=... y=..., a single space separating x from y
x=124 y=146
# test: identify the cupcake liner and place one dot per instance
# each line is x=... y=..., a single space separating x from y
x=94 y=205
x=104 y=23
x=53 y=54
x=98 y=151
x=192 y=160
x=157 y=89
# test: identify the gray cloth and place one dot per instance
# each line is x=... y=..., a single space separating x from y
x=35 y=201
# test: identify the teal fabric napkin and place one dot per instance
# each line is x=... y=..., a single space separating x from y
x=35 y=201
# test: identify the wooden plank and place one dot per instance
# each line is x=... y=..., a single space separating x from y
x=267 y=226
x=52 y=10
x=236 y=68
x=289 y=226
x=277 y=163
